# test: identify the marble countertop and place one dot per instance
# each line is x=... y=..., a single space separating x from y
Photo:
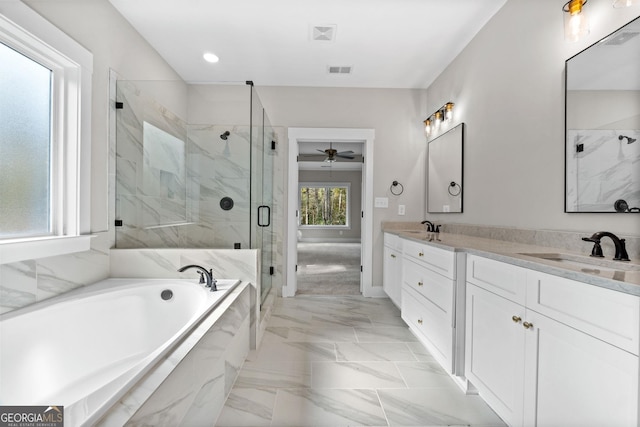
x=619 y=279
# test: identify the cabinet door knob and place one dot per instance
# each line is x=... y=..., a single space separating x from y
x=420 y=254
x=420 y=283
x=527 y=325
x=516 y=319
x=420 y=321
x=393 y=256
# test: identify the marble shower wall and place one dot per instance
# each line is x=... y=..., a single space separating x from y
x=225 y=264
x=161 y=209
x=602 y=169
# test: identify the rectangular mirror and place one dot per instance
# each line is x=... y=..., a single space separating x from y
x=444 y=172
x=602 y=122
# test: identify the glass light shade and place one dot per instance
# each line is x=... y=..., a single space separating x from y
x=576 y=22
x=438 y=120
x=448 y=111
x=427 y=127
x=625 y=3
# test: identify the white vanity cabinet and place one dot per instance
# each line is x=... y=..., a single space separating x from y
x=428 y=298
x=392 y=267
x=548 y=351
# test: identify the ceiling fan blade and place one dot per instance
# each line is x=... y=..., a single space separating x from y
x=322 y=151
x=346 y=152
x=344 y=157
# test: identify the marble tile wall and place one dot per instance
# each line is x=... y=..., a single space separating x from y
x=603 y=170
x=27 y=282
x=215 y=168
x=241 y=264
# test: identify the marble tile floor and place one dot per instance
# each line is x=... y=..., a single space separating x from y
x=346 y=361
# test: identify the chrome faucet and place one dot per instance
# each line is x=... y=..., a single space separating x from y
x=621 y=250
x=209 y=281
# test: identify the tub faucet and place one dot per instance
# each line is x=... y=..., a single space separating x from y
x=429 y=225
x=621 y=250
x=210 y=282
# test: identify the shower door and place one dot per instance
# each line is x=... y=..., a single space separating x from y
x=262 y=160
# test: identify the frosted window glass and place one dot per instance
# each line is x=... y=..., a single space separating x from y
x=25 y=146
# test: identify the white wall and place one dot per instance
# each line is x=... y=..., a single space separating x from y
x=399 y=146
x=603 y=109
x=508 y=86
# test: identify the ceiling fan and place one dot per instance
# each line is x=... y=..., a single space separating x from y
x=333 y=154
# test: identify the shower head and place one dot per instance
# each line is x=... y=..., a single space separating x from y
x=225 y=135
x=629 y=139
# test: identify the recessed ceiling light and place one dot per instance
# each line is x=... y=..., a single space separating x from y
x=210 y=57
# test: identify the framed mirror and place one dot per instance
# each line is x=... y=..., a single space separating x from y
x=444 y=172
x=602 y=125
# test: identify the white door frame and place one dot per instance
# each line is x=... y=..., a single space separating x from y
x=342 y=135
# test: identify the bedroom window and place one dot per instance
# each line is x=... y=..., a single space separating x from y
x=324 y=205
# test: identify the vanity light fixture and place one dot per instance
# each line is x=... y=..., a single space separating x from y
x=443 y=115
x=576 y=23
x=625 y=3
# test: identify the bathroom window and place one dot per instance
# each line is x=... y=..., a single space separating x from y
x=25 y=146
x=324 y=205
x=45 y=144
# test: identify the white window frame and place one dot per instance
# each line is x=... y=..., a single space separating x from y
x=325 y=184
x=27 y=32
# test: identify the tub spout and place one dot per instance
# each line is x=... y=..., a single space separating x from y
x=210 y=282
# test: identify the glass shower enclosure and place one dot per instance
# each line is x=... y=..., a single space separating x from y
x=194 y=169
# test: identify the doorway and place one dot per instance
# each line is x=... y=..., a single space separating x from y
x=329 y=220
x=364 y=138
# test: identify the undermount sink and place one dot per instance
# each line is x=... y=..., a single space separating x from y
x=585 y=262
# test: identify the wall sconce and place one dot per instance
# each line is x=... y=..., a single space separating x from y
x=625 y=3
x=576 y=23
x=444 y=114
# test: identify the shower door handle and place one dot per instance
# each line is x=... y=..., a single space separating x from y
x=260 y=210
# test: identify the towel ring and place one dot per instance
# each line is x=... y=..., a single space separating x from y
x=395 y=184
x=452 y=189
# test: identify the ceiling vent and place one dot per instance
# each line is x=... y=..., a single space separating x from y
x=621 y=38
x=324 y=33
x=333 y=69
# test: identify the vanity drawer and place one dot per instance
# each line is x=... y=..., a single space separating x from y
x=506 y=280
x=436 y=259
x=431 y=326
x=611 y=316
x=435 y=287
x=393 y=241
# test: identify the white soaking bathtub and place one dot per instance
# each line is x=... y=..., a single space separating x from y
x=85 y=349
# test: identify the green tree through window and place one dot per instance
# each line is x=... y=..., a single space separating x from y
x=324 y=205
